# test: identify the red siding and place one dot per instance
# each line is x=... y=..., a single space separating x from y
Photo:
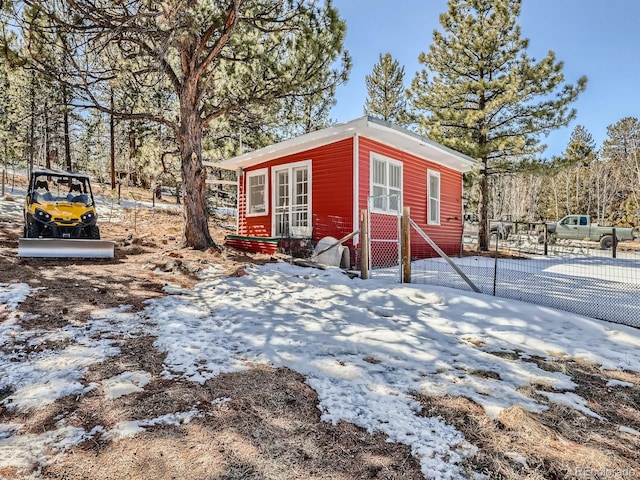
x=448 y=234
x=331 y=192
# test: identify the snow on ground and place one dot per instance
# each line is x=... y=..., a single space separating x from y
x=629 y=430
x=11 y=295
x=364 y=346
x=23 y=452
x=619 y=383
x=125 y=383
x=38 y=378
x=133 y=427
x=570 y=399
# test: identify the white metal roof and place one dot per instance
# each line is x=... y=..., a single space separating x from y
x=368 y=127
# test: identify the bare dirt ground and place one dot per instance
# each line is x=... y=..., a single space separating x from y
x=271 y=428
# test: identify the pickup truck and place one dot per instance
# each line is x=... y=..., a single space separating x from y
x=579 y=227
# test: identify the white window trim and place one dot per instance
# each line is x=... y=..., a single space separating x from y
x=290 y=167
x=433 y=173
x=388 y=161
x=356 y=186
x=247 y=176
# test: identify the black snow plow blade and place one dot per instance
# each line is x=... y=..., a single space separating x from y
x=65 y=248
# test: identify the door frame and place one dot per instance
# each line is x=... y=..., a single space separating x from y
x=274 y=193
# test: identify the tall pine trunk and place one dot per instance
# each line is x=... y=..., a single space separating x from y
x=112 y=145
x=483 y=228
x=32 y=125
x=196 y=227
x=67 y=133
x=556 y=201
x=567 y=193
x=48 y=152
x=577 y=204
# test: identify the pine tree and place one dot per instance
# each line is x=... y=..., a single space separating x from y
x=485 y=96
x=386 y=92
x=305 y=114
x=218 y=59
x=581 y=146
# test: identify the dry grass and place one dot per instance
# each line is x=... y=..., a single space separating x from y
x=269 y=429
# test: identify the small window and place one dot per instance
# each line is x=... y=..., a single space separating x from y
x=386 y=185
x=257 y=193
x=433 y=194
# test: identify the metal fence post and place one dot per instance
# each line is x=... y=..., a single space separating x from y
x=614 y=244
x=495 y=267
x=399 y=235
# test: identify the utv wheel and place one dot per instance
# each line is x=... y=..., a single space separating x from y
x=93 y=232
x=31 y=230
x=606 y=242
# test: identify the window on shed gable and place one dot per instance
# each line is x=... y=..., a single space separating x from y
x=257 y=192
x=433 y=194
x=386 y=185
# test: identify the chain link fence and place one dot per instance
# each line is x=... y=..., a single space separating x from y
x=572 y=275
x=384 y=236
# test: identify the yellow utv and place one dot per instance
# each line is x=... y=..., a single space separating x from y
x=60 y=217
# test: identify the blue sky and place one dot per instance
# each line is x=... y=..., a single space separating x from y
x=596 y=38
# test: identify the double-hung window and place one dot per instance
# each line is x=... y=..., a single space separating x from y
x=433 y=195
x=257 y=193
x=386 y=184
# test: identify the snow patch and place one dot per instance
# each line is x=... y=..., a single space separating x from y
x=572 y=400
x=13 y=294
x=37 y=378
x=619 y=383
x=134 y=427
x=125 y=383
x=26 y=452
x=629 y=430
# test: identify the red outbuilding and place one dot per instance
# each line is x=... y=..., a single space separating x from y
x=316 y=185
